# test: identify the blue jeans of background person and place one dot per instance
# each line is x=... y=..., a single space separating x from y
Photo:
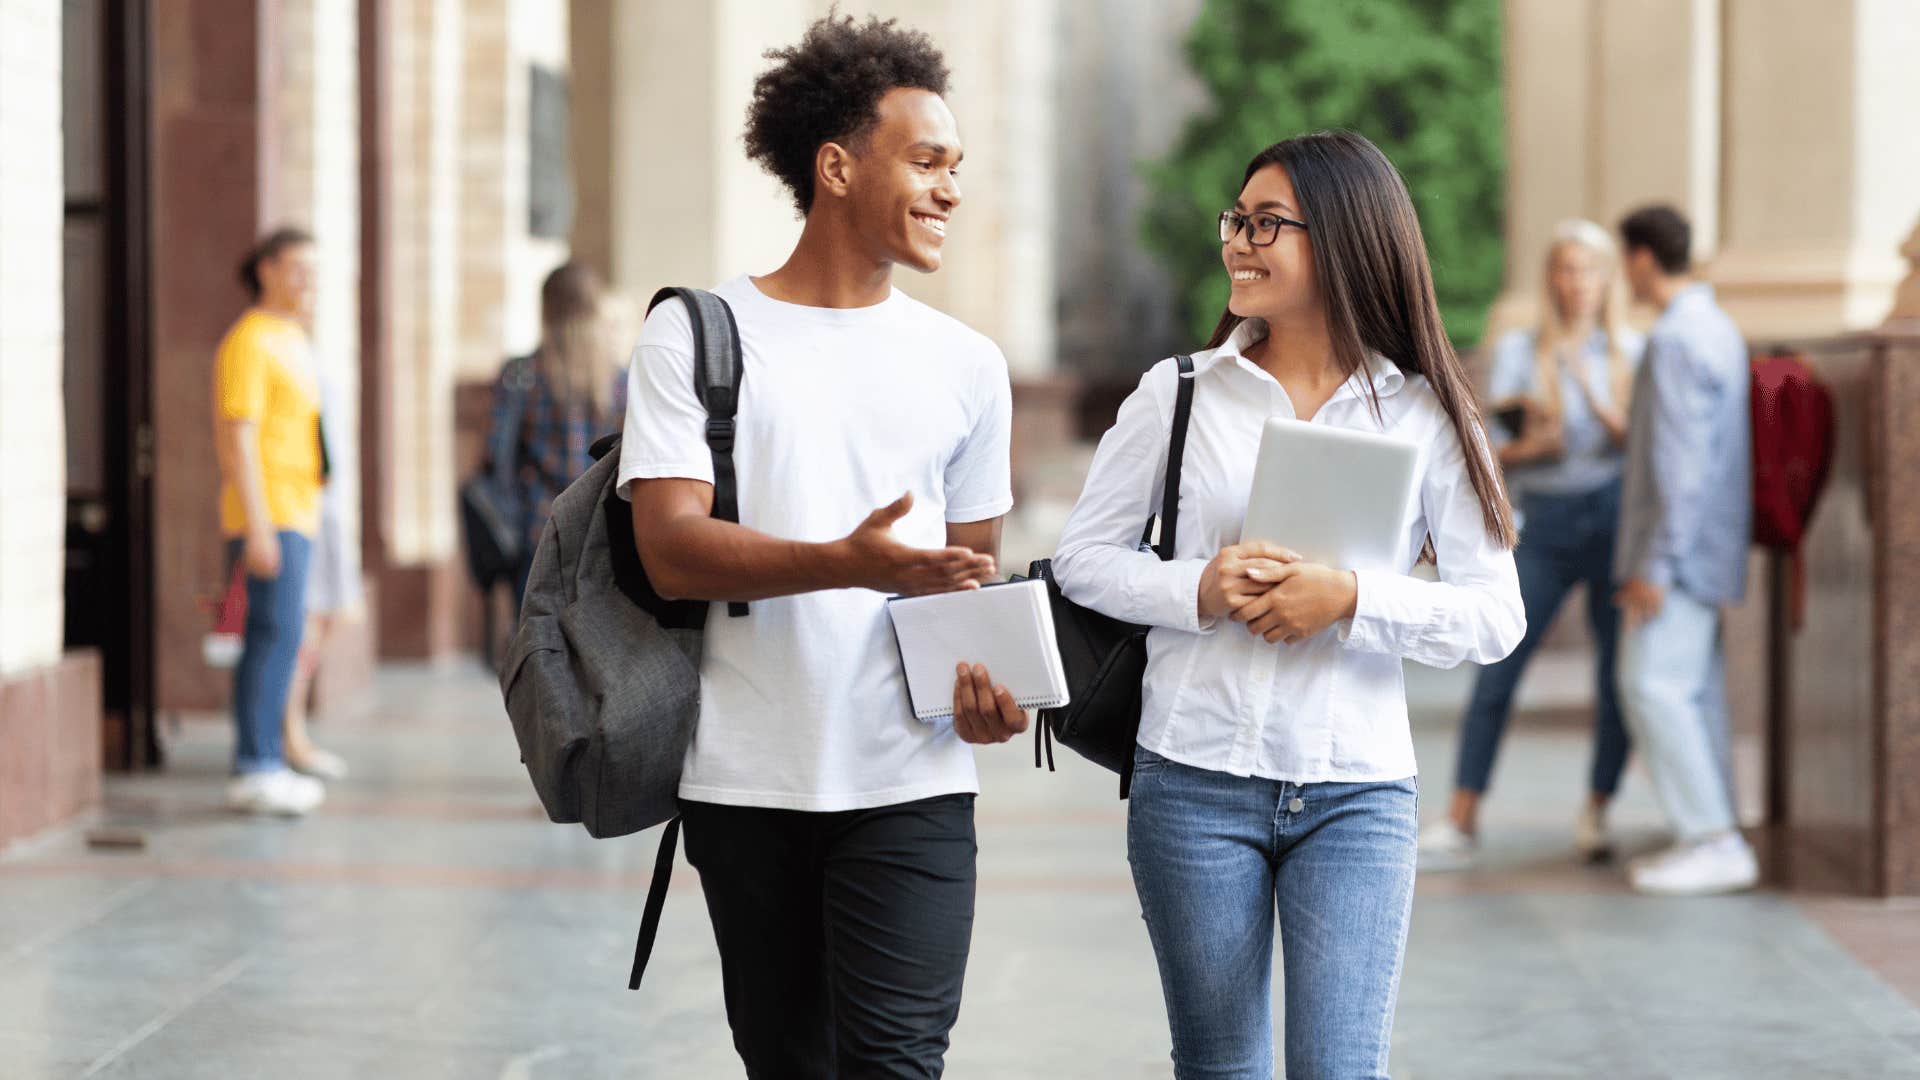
x=1214 y=857
x=276 y=619
x=1673 y=681
x=1566 y=540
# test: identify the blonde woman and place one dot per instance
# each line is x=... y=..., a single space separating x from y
x=549 y=407
x=1561 y=392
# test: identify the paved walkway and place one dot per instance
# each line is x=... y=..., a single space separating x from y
x=430 y=923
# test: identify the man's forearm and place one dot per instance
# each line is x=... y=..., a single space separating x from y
x=704 y=558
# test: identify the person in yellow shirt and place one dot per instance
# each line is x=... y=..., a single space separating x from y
x=266 y=408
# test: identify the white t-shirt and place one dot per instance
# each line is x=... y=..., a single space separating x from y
x=803 y=704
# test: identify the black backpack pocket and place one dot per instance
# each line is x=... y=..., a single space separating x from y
x=549 y=719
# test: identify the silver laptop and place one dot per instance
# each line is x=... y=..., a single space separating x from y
x=1336 y=496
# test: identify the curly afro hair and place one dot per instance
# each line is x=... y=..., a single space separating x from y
x=828 y=89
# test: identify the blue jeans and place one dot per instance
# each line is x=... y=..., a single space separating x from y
x=1214 y=856
x=1567 y=540
x=276 y=619
x=1673 y=677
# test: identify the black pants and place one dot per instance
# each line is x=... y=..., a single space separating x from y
x=843 y=936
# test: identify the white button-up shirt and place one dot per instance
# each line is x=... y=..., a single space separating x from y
x=1332 y=707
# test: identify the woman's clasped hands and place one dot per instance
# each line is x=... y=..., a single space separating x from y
x=1275 y=593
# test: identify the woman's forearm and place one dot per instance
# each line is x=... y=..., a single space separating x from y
x=239 y=453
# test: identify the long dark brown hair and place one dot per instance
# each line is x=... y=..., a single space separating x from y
x=1378 y=289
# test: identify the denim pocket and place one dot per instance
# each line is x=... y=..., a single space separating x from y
x=1146 y=761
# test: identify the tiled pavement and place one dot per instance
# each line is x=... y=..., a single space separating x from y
x=430 y=923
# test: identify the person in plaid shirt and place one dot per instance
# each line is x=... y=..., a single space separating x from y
x=566 y=394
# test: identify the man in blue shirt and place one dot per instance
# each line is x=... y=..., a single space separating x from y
x=1686 y=519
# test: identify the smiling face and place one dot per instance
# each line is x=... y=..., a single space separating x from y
x=902 y=185
x=1275 y=281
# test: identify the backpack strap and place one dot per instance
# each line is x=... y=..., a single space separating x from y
x=1176 y=451
x=717 y=369
x=515 y=380
x=656 y=899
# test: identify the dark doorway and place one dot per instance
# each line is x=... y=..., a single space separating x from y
x=109 y=588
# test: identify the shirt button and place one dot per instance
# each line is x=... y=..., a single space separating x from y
x=1298 y=804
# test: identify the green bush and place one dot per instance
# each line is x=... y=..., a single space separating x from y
x=1421 y=78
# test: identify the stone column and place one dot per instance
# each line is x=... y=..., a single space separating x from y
x=1549 y=93
x=32 y=424
x=683 y=205
x=1821 y=163
x=50 y=729
x=1897 y=622
x=667 y=196
x=211 y=170
x=316 y=151
x=1610 y=104
x=418 y=339
x=501 y=263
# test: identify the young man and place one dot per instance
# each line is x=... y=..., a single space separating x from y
x=1686 y=517
x=833 y=831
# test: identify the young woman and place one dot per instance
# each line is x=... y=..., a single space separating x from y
x=267 y=437
x=568 y=393
x=1275 y=766
x=1569 y=381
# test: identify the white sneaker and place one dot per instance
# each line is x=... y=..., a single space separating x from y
x=1721 y=864
x=1446 y=846
x=1590 y=839
x=1646 y=860
x=278 y=791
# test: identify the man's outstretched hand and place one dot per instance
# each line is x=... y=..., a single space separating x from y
x=876 y=559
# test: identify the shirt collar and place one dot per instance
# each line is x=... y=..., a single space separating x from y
x=1385 y=375
x=1697 y=293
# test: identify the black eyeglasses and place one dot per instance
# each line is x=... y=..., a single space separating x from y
x=1262 y=229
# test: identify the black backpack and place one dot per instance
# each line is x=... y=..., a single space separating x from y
x=602 y=678
x=492 y=509
x=1104 y=658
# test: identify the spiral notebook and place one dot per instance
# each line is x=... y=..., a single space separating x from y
x=1007 y=626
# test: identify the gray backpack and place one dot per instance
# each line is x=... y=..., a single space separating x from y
x=602 y=678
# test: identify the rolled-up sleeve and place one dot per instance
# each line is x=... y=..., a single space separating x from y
x=1099 y=564
x=1474 y=611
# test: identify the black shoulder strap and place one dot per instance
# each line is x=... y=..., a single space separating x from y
x=505 y=450
x=716 y=378
x=1176 y=450
x=656 y=899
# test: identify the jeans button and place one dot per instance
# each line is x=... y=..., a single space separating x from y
x=1298 y=804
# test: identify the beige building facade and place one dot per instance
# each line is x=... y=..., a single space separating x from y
x=668 y=197
x=1784 y=130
